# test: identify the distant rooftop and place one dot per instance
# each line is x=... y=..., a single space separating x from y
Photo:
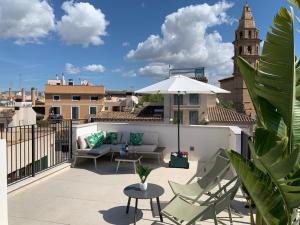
x=222 y=115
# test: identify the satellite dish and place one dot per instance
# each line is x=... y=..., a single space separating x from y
x=135 y=99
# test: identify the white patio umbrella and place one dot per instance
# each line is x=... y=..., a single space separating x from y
x=180 y=85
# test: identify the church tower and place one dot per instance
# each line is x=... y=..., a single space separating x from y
x=246 y=45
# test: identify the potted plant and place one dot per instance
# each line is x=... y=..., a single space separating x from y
x=143 y=172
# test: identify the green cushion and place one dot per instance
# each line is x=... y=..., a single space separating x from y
x=112 y=138
x=136 y=138
x=96 y=140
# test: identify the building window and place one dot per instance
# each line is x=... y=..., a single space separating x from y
x=75 y=112
x=106 y=108
x=249 y=34
x=55 y=110
x=93 y=110
x=94 y=98
x=178 y=98
x=75 y=98
x=194 y=99
x=249 y=49
x=180 y=116
x=1 y=127
x=240 y=50
x=193 y=116
x=56 y=98
x=241 y=35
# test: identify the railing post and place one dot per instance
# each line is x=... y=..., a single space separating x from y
x=33 y=149
x=71 y=137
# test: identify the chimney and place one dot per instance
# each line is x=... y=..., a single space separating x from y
x=33 y=96
x=9 y=94
x=23 y=95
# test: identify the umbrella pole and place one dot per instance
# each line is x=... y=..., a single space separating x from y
x=178 y=124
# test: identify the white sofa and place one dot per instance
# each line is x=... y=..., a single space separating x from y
x=149 y=145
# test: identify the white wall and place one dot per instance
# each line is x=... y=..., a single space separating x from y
x=23 y=116
x=206 y=140
x=3 y=184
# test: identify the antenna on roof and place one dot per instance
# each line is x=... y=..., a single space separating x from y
x=20 y=81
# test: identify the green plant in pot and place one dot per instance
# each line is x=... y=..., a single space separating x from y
x=272 y=177
x=143 y=172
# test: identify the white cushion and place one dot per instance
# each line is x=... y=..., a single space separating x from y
x=150 y=138
x=82 y=144
x=103 y=149
x=125 y=138
x=142 y=148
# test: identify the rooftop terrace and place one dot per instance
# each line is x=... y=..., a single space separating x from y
x=82 y=196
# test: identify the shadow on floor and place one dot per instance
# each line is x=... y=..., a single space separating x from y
x=107 y=167
x=118 y=216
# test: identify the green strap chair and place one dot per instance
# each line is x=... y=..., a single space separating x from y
x=212 y=178
x=180 y=211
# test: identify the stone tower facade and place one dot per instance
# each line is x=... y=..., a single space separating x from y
x=246 y=45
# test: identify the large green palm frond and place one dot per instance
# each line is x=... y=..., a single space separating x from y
x=262 y=190
x=274 y=90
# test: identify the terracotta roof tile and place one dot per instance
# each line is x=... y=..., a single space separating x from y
x=223 y=115
x=123 y=116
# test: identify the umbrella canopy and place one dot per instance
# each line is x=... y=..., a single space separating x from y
x=181 y=85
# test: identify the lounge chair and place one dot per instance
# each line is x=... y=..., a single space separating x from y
x=181 y=211
x=203 y=168
x=206 y=183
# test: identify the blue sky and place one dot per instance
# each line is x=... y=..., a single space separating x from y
x=32 y=53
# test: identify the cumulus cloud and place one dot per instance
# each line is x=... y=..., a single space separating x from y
x=155 y=69
x=186 y=40
x=95 y=68
x=82 y=24
x=71 y=69
x=130 y=74
x=26 y=21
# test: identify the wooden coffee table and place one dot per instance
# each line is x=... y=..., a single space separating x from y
x=131 y=158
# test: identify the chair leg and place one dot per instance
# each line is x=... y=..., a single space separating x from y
x=95 y=161
x=230 y=216
x=74 y=163
x=118 y=167
x=112 y=156
x=134 y=167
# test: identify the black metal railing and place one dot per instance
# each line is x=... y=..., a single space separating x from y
x=35 y=148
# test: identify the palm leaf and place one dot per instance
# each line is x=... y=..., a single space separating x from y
x=295 y=2
x=276 y=77
x=263 y=192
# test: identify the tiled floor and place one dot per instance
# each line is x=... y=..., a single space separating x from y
x=82 y=196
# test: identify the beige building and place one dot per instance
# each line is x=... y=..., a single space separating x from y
x=73 y=101
x=246 y=45
x=118 y=101
x=193 y=108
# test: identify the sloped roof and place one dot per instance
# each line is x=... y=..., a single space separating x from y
x=124 y=116
x=222 y=115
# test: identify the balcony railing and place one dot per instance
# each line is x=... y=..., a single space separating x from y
x=34 y=148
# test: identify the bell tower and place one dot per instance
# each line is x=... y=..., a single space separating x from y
x=246 y=45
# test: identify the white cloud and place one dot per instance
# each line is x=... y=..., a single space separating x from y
x=125 y=44
x=25 y=21
x=155 y=69
x=186 y=42
x=82 y=24
x=94 y=68
x=71 y=69
x=130 y=73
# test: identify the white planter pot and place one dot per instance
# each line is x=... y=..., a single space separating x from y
x=143 y=186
